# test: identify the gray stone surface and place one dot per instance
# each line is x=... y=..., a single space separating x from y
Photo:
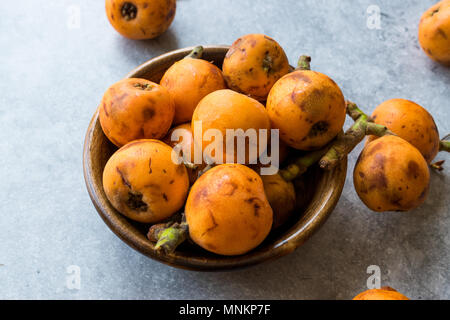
x=53 y=76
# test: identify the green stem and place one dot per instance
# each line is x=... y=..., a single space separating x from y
x=345 y=143
x=168 y=238
x=444 y=144
x=196 y=53
x=301 y=164
x=304 y=63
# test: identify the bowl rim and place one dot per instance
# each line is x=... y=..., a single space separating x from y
x=288 y=242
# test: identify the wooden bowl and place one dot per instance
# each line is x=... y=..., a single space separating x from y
x=324 y=187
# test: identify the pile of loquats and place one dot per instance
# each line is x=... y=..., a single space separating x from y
x=229 y=208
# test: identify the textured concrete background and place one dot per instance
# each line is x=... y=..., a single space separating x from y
x=53 y=76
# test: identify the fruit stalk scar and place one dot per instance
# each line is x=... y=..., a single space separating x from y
x=346 y=142
x=196 y=53
x=301 y=164
x=304 y=63
x=438 y=165
x=168 y=236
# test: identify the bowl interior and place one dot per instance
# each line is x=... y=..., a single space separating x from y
x=322 y=190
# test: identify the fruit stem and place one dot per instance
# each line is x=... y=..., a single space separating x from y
x=438 y=165
x=301 y=164
x=444 y=144
x=304 y=63
x=168 y=237
x=196 y=53
x=346 y=142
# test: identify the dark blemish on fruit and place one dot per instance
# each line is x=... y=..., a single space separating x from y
x=256 y=208
x=267 y=63
x=268 y=38
x=375 y=148
x=395 y=200
x=128 y=11
x=442 y=33
x=119 y=99
x=150 y=165
x=124 y=180
x=148 y=113
x=301 y=76
x=256 y=205
x=250 y=179
x=378 y=178
x=170 y=14
x=361 y=174
x=145 y=5
x=204 y=81
x=319 y=128
x=362 y=188
x=104 y=109
x=435 y=11
x=379 y=161
x=143 y=30
x=215 y=225
x=135 y=202
x=153 y=186
x=233 y=188
x=251 y=200
x=165 y=197
x=378 y=181
x=203 y=193
x=164 y=171
x=413 y=169
x=171 y=181
x=181 y=169
x=112 y=16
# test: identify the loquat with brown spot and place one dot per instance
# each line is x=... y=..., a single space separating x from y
x=135 y=109
x=227 y=210
x=253 y=64
x=391 y=175
x=188 y=81
x=143 y=183
x=227 y=109
x=140 y=19
x=434 y=32
x=281 y=197
x=308 y=108
x=411 y=122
